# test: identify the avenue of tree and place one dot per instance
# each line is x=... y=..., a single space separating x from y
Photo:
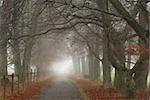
x=100 y=35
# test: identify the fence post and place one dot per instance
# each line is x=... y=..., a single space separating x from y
x=31 y=76
x=18 y=82
x=37 y=74
x=4 y=86
x=12 y=85
x=34 y=75
x=23 y=83
x=27 y=79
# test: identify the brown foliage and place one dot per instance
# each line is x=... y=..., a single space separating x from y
x=134 y=49
x=98 y=92
x=30 y=92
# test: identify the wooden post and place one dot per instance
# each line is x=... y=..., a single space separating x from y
x=31 y=76
x=34 y=75
x=23 y=83
x=12 y=85
x=37 y=74
x=4 y=86
x=27 y=77
x=18 y=82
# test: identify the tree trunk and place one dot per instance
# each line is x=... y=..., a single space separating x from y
x=106 y=70
x=27 y=58
x=119 y=74
x=142 y=67
x=5 y=18
x=96 y=68
x=117 y=58
x=29 y=43
x=16 y=42
x=3 y=54
x=91 y=68
x=87 y=65
x=17 y=59
x=141 y=74
x=76 y=64
x=103 y=4
x=83 y=66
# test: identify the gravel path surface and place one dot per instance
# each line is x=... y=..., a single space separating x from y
x=61 y=89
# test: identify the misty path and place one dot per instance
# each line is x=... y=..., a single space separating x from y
x=60 y=89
